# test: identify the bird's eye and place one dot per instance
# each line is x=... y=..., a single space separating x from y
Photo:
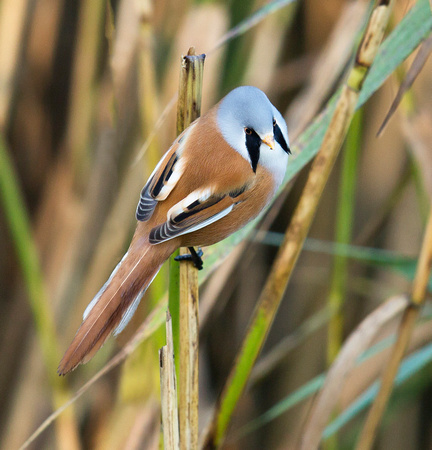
x=274 y=122
x=248 y=131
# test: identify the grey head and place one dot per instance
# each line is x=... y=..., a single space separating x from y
x=255 y=128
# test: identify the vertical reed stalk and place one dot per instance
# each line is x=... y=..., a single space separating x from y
x=183 y=300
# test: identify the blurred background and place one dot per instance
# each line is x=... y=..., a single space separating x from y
x=87 y=107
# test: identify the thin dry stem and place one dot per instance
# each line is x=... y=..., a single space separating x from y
x=357 y=343
x=405 y=331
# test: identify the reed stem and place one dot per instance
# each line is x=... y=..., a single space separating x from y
x=183 y=298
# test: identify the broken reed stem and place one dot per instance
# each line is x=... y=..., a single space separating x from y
x=183 y=297
x=406 y=328
x=169 y=391
x=296 y=233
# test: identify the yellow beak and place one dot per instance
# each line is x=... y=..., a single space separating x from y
x=269 y=140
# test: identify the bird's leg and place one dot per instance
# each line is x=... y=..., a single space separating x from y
x=194 y=256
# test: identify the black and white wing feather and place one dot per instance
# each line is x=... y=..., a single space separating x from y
x=196 y=211
x=163 y=179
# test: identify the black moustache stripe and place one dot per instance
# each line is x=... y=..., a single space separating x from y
x=253 y=144
x=280 y=139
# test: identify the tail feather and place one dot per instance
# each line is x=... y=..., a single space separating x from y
x=113 y=306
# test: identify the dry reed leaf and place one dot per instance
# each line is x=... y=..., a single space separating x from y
x=355 y=345
x=417 y=299
x=413 y=72
x=328 y=68
x=365 y=374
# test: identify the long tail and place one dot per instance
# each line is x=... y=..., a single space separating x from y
x=114 y=305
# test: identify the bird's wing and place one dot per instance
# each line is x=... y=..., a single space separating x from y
x=199 y=209
x=164 y=178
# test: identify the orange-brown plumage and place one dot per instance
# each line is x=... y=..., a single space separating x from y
x=203 y=190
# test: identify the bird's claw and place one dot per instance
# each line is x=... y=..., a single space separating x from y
x=193 y=256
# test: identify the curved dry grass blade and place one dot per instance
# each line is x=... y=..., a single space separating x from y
x=413 y=72
x=418 y=295
x=356 y=344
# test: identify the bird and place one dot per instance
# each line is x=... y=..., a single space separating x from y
x=215 y=178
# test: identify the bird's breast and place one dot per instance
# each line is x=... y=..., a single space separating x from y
x=247 y=206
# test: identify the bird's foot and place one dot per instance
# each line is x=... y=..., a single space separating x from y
x=194 y=256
